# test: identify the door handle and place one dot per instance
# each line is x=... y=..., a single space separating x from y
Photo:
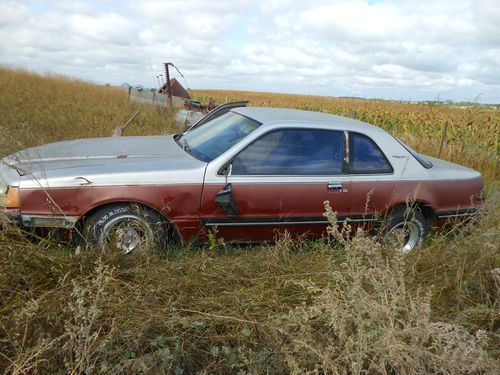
x=334 y=186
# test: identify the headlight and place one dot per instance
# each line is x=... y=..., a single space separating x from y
x=10 y=198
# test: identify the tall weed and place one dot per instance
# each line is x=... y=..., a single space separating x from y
x=367 y=321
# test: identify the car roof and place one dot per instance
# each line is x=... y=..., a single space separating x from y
x=267 y=116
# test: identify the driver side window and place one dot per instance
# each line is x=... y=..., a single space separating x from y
x=292 y=152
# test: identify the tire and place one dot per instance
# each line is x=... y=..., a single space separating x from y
x=406 y=228
x=127 y=228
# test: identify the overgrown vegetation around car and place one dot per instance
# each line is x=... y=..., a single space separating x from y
x=333 y=306
x=329 y=306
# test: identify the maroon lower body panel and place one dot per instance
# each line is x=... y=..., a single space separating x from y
x=265 y=210
x=377 y=197
x=178 y=203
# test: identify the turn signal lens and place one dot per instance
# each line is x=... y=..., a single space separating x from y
x=11 y=199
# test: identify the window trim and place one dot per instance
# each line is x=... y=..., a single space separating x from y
x=422 y=159
x=371 y=172
x=344 y=171
x=178 y=138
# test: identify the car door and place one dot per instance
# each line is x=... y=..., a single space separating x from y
x=374 y=183
x=278 y=182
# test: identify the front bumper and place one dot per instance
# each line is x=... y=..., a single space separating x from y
x=14 y=217
x=9 y=217
x=48 y=221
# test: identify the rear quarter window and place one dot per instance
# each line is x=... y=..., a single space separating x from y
x=365 y=157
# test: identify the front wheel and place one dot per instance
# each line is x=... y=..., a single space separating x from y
x=127 y=228
x=406 y=229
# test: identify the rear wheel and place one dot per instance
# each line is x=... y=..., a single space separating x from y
x=126 y=228
x=406 y=229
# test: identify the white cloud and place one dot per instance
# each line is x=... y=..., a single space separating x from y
x=393 y=49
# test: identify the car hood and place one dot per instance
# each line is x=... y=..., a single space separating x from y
x=104 y=161
x=93 y=151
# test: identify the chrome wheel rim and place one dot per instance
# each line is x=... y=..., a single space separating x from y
x=127 y=234
x=406 y=236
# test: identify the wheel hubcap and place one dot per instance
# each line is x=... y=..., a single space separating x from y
x=127 y=234
x=405 y=236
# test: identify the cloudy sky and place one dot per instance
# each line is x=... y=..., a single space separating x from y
x=419 y=50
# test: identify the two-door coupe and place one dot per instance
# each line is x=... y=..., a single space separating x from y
x=248 y=172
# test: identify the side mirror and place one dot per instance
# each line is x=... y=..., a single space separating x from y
x=224 y=199
x=227 y=170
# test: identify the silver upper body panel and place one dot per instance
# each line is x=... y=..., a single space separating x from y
x=159 y=160
x=105 y=161
x=405 y=166
x=275 y=116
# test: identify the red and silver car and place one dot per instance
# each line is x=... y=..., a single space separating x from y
x=248 y=172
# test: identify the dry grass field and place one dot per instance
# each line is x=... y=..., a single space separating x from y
x=332 y=306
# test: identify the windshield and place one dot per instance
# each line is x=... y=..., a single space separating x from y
x=215 y=137
x=426 y=163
